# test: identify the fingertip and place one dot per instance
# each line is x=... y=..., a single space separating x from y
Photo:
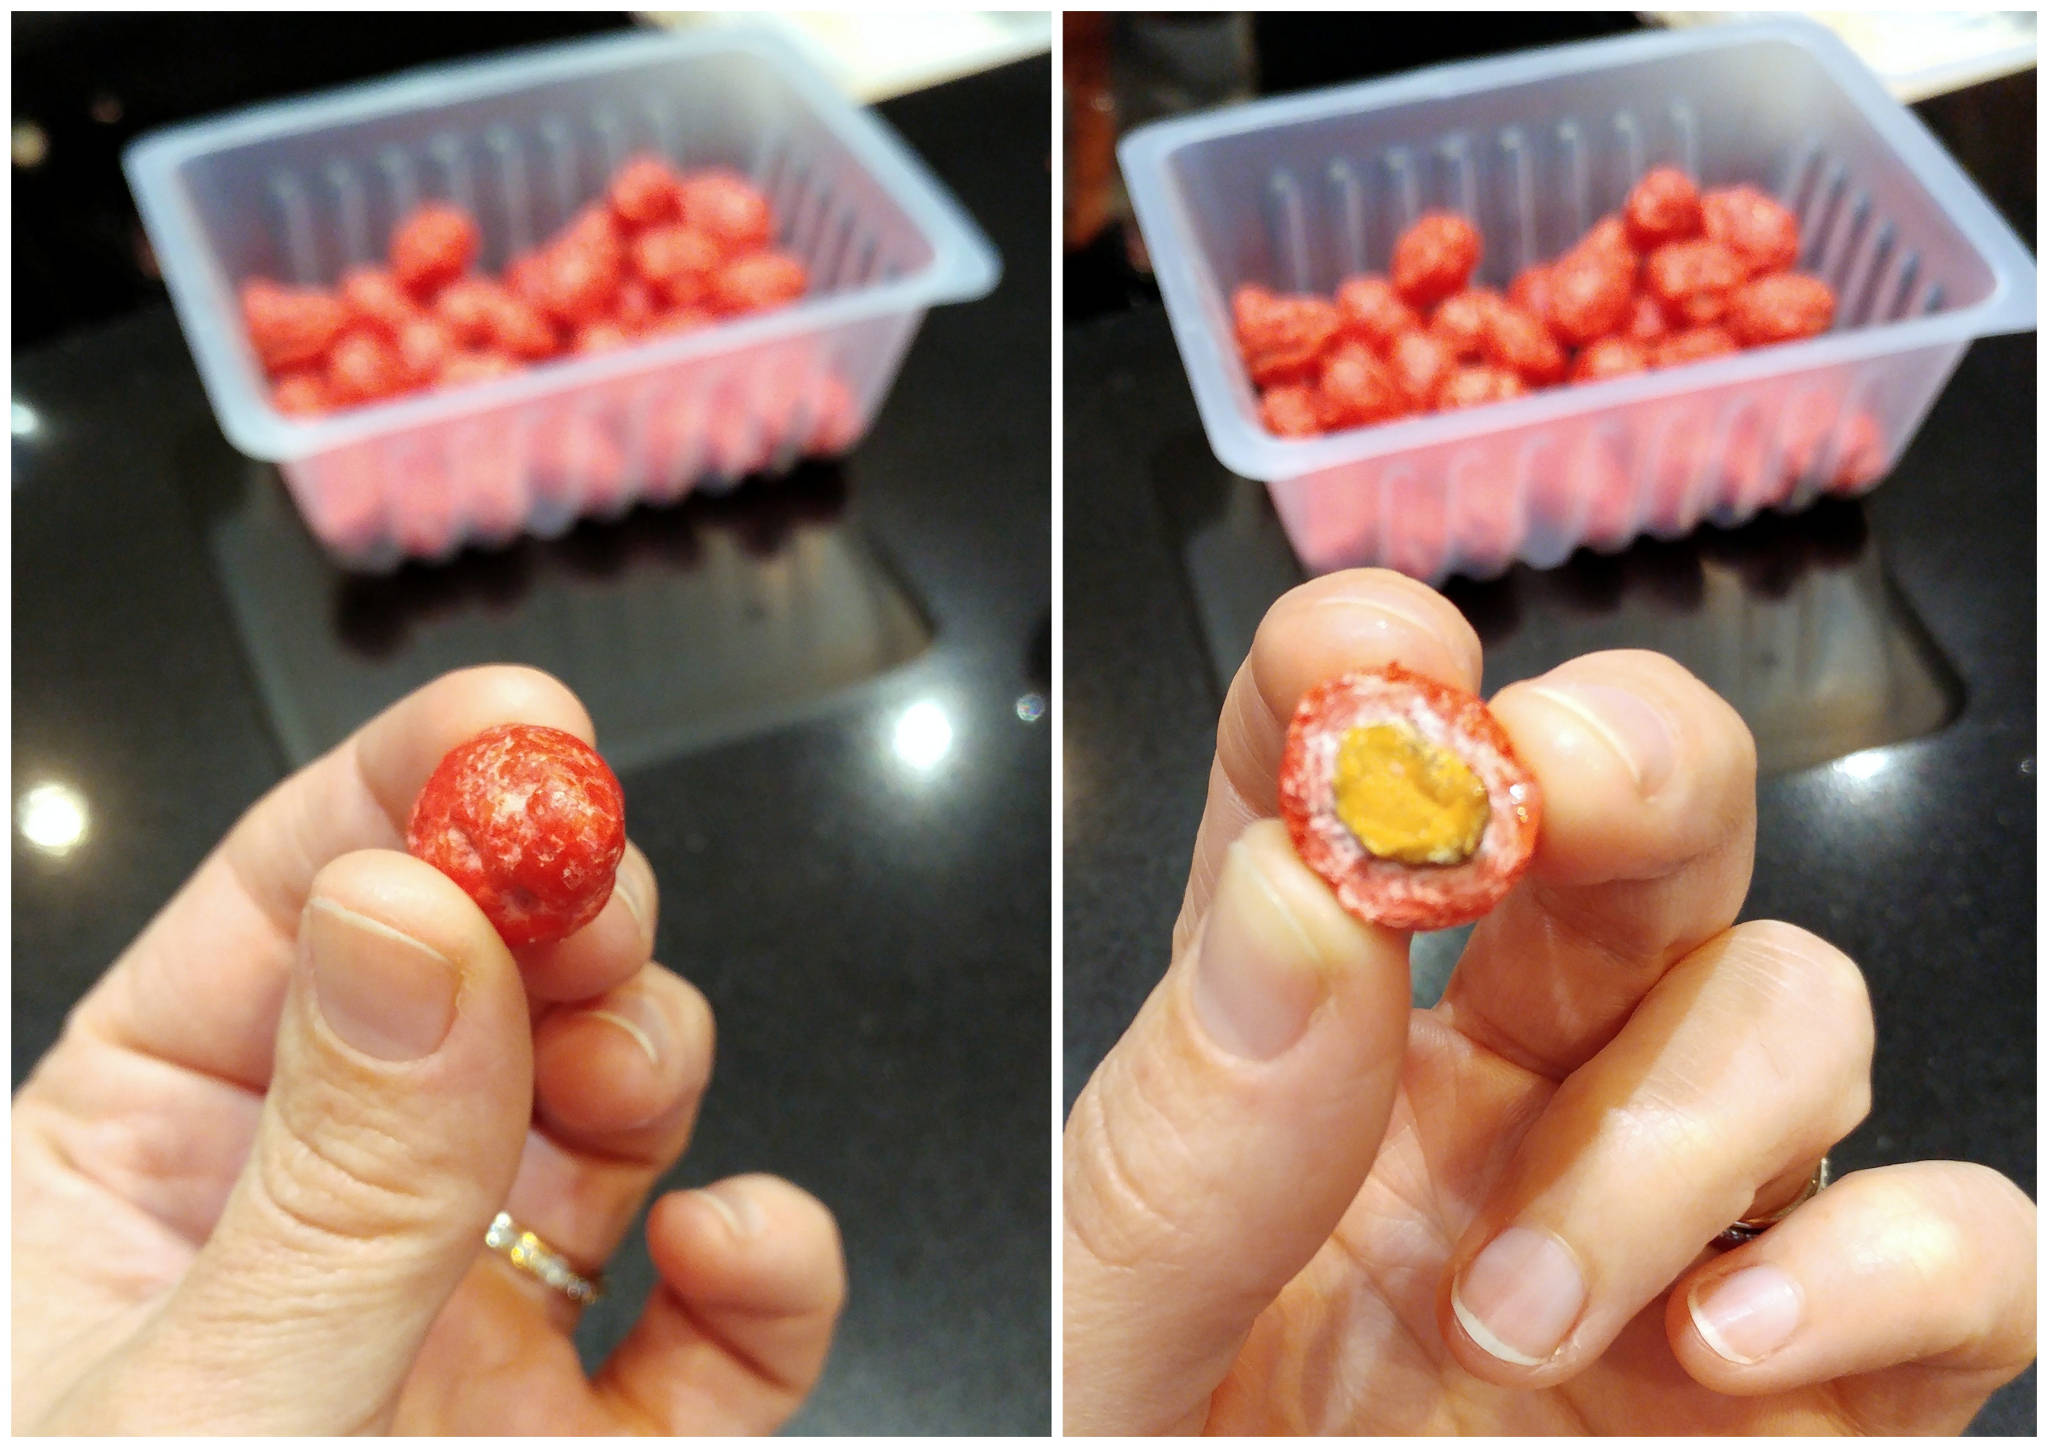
x=1360 y=618
x=1643 y=767
x=753 y=1242
x=413 y=898
x=627 y=1061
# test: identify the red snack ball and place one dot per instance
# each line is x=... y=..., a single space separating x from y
x=1665 y=206
x=1434 y=258
x=377 y=300
x=1780 y=308
x=362 y=367
x=1694 y=344
x=1645 y=321
x=432 y=247
x=1530 y=290
x=645 y=190
x=1608 y=236
x=518 y=327
x=759 y=282
x=291 y=327
x=1386 y=890
x=678 y=261
x=1516 y=340
x=1472 y=386
x=636 y=304
x=600 y=337
x=469 y=309
x=1419 y=363
x=1373 y=311
x=578 y=280
x=1460 y=322
x=1357 y=389
x=1589 y=294
x=1282 y=338
x=424 y=347
x=1752 y=225
x=1693 y=279
x=526 y=277
x=728 y=208
x=463 y=368
x=1610 y=357
x=299 y=394
x=530 y=822
x=1291 y=411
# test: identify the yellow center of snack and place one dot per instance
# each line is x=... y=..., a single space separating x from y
x=1407 y=799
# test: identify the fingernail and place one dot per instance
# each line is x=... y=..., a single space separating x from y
x=738 y=1209
x=1257 y=976
x=1519 y=1297
x=630 y=887
x=1748 y=1315
x=1399 y=629
x=1634 y=729
x=383 y=992
x=638 y=1019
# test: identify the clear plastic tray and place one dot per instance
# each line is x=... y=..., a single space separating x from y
x=1299 y=192
x=301 y=190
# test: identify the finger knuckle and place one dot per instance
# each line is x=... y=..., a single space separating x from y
x=1118 y=1207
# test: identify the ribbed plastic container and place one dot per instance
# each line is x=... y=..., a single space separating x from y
x=301 y=190
x=1300 y=192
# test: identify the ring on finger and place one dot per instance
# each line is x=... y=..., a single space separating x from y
x=529 y=1254
x=1748 y=1229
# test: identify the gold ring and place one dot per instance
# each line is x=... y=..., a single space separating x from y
x=1750 y=1228
x=536 y=1258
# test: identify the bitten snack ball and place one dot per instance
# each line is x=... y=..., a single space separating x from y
x=1406 y=797
x=530 y=822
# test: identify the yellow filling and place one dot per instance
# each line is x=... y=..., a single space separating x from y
x=1407 y=799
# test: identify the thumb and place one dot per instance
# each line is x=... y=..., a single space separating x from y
x=1223 y=1137
x=397 y=1111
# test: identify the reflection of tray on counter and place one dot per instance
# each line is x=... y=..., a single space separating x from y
x=678 y=628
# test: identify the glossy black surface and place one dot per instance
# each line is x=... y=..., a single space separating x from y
x=873 y=936
x=1897 y=631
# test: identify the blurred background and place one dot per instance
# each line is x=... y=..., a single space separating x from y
x=1881 y=648
x=825 y=692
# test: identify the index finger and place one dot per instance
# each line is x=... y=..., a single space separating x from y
x=1358 y=619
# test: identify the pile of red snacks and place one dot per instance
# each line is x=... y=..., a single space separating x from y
x=1677 y=276
x=663 y=251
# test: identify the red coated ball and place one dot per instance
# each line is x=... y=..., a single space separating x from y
x=1291 y=411
x=1434 y=258
x=1693 y=279
x=1357 y=388
x=1753 y=226
x=1589 y=293
x=758 y=282
x=728 y=207
x=1665 y=206
x=291 y=327
x=1373 y=311
x=1780 y=308
x=645 y=190
x=432 y=247
x=530 y=822
x=1388 y=891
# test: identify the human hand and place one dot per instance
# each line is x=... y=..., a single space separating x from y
x=252 y=1179
x=1280 y=1181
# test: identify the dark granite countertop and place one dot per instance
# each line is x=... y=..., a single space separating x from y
x=1883 y=650
x=873 y=936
